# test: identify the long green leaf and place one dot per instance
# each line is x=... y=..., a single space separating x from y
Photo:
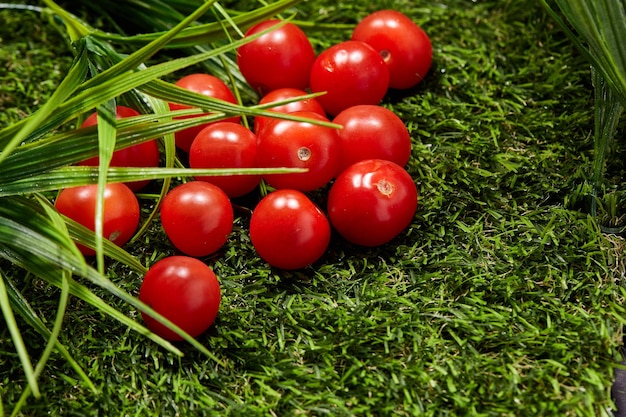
x=74 y=176
x=21 y=306
x=75 y=146
x=52 y=339
x=29 y=239
x=106 y=145
x=140 y=56
x=599 y=32
x=18 y=341
x=205 y=33
x=19 y=132
x=608 y=110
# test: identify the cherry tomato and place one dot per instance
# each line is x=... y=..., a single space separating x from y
x=121 y=211
x=226 y=145
x=197 y=217
x=209 y=86
x=185 y=291
x=291 y=144
x=404 y=46
x=279 y=58
x=288 y=230
x=372 y=132
x=350 y=73
x=309 y=104
x=372 y=202
x=145 y=154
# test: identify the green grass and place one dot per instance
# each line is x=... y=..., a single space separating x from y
x=503 y=297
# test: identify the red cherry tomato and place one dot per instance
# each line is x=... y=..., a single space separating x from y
x=144 y=154
x=371 y=202
x=291 y=144
x=350 y=73
x=197 y=217
x=372 y=132
x=121 y=211
x=288 y=230
x=185 y=291
x=226 y=145
x=404 y=46
x=209 y=86
x=279 y=58
x=309 y=104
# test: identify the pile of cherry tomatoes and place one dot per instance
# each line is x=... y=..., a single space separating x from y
x=371 y=197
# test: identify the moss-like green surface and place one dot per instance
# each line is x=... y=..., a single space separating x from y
x=502 y=297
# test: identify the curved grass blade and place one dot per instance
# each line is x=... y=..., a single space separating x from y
x=53 y=114
x=52 y=339
x=75 y=146
x=50 y=274
x=27 y=239
x=74 y=176
x=18 y=341
x=14 y=135
x=608 y=111
x=76 y=29
x=207 y=32
x=80 y=234
x=21 y=306
x=599 y=32
x=111 y=88
x=106 y=145
x=161 y=109
x=140 y=56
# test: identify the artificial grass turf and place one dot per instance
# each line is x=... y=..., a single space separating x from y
x=502 y=297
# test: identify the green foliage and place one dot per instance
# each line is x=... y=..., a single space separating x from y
x=501 y=298
x=598 y=29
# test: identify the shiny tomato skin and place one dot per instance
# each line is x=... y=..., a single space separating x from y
x=351 y=73
x=197 y=217
x=405 y=46
x=288 y=230
x=292 y=144
x=121 y=211
x=226 y=145
x=185 y=291
x=279 y=58
x=144 y=154
x=372 y=132
x=309 y=104
x=209 y=86
x=372 y=202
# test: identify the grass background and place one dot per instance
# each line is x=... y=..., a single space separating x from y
x=502 y=298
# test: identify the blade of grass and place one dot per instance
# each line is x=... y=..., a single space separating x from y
x=21 y=306
x=599 y=32
x=34 y=249
x=140 y=56
x=74 y=176
x=75 y=146
x=208 y=32
x=19 y=132
x=608 y=110
x=161 y=108
x=106 y=144
x=52 y=339
x=111 y=88
x=16 y=336
x=28 y=240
